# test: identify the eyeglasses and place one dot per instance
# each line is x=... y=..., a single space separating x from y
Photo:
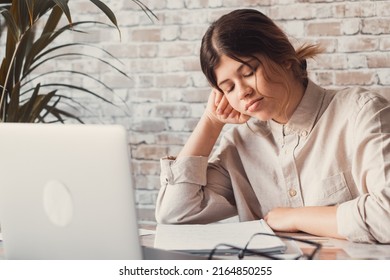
x=245 y=251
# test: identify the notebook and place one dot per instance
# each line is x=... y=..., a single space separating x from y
x=66 y=193
x=199 y=238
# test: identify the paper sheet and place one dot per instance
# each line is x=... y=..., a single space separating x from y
x=143 y=232
x=203 y=238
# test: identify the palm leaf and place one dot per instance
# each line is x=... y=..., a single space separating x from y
x=20 y=12
x=51 y=110
x=71 y=72
x=13 y=28
x=76 y=88
x=40 y=104
x=3 y=73
x=47 y=35
x=73 y=103
x=108 y=13
x=77 y=44
x=2 y=25
x=46 y=39
x=63 y=4
x=13 y=34
x=13 y=107
x=60 y=98
x=55 y=111
x=53 y=20
x=28 y=106
x=23 y=48
x=30 y=9
x=7 y=77
x=58 y=113
x=74 y=54
x=24 y=54
x=41 y=7
x=145 y=9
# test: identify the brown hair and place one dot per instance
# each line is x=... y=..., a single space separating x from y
x=249 y=33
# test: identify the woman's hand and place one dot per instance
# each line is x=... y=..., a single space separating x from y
x=219 y=110
x=281 y=219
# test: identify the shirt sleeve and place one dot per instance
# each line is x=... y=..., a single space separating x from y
x=188 y=194
x=367 y=217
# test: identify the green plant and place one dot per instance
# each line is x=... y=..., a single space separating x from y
x=25 y=97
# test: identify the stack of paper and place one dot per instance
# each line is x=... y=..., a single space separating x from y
x=203 y=238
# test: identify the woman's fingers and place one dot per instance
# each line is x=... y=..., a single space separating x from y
x=222 y=110
x=223 y=107
x=218 y=97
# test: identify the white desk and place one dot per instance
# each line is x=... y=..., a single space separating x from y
x=332 y=249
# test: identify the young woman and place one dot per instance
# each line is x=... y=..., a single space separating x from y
x=302 y=157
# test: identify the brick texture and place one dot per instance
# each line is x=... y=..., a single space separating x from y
x=162 y=100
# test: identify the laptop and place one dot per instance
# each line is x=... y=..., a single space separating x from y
x=66 y=193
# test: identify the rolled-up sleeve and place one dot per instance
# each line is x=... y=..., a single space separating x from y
x=176 y=172
x=185 y=196
x=367 y=217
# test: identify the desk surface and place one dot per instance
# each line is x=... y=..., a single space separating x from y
x=332 y=249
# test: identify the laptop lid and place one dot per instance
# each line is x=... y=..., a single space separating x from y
x=66 y=192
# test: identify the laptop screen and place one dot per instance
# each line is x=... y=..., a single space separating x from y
x=66 y=192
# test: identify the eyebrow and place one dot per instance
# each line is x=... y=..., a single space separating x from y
x=244 y=63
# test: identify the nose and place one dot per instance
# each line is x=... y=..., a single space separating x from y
x=245 y=90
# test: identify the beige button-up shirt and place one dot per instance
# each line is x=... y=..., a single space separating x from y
x=335 y=149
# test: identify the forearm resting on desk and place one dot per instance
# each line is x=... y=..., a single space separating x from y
x=316 y=220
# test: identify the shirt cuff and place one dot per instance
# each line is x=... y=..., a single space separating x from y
x=191 y=170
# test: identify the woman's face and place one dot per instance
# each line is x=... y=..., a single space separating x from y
x=249 y=93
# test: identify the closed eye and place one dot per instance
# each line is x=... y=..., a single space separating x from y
x=229 y=90
x=253 y=70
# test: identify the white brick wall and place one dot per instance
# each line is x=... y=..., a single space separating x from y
x=166 y=94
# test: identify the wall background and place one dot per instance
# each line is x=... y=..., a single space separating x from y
x=166 y=95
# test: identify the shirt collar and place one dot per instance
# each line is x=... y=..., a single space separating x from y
x=304 y=117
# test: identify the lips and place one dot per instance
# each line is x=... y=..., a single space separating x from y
x=252 y=105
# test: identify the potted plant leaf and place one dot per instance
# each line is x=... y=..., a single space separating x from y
x=32 y=26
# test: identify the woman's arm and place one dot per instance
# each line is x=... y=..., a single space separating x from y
x=316 y=220
x=365 y=218
x=186 y=194
x=218 y=112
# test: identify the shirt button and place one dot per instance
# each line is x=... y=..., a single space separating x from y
x=292 y=192
x=303 y=133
